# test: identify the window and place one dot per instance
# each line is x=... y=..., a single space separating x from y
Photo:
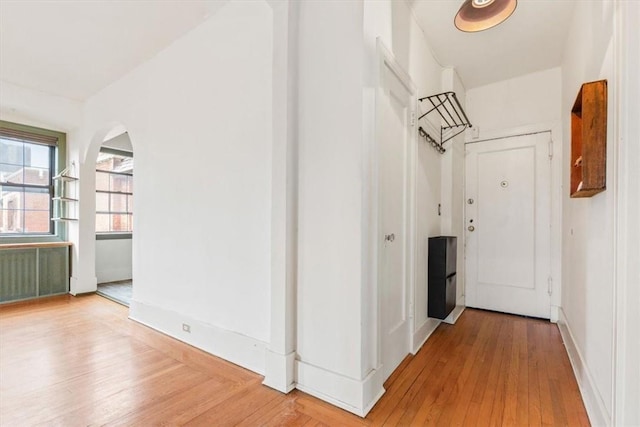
x=114 y=192
x=27 y=166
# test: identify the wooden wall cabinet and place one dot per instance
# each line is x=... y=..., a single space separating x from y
x=589 y=140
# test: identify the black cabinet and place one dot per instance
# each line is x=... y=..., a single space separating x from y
x=442 y=276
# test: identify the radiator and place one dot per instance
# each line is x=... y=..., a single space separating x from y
x=33 y=272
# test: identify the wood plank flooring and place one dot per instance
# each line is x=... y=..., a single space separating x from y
x=79 y=361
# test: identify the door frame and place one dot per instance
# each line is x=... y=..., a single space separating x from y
x=386 y=59
x=554 y=129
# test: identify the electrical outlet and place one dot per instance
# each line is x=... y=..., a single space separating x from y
x=186 y=328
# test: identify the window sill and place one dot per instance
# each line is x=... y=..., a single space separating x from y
x=113 y=236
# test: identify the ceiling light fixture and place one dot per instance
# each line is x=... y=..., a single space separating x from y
x=478 y=15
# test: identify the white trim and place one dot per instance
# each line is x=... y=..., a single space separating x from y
x=626 y=318
x=422 y=334
x=80 y=285
x=355 y=396
x=454 y=315
x=279 y=372
x=592 y=399
x=386 y=59
x=236 y=348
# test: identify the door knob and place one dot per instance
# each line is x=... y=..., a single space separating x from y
x=389 y=237
x=471 y=228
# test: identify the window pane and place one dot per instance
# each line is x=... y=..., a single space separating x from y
x=130 y=204
x=130 y=184
x=119 y=222
x=118 y=203
x=119 y=183
x=11 y=152
x=11 y=173
x=102 y=181
x=36 y=176
x=12 y=197
x=36 y=199
x=37 y=156
x=10 y=221
x=102 y=202
x=36 y=221
x=102 y=223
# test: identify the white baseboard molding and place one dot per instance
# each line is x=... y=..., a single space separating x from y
x=236 y=348
x=114 y=275
x=423 y=333
x=82 y=285
x=454 y=315
x=355 y=396
x=280 y=371
x=593 y=402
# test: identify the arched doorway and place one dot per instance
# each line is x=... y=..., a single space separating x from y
x=114 y=217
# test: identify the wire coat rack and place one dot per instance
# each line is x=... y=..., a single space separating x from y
x=453 y=118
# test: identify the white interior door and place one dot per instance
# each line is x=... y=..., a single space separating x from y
x=508 y=225
x=394 y=109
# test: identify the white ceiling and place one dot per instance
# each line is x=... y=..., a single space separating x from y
x=75 y=48
x=532 y=39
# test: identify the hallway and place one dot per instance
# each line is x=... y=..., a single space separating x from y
x=72 y=360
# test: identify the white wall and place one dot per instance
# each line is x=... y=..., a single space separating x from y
x=588 y=224
x=329 y=307
x=113 y=260
x=34 y=108
x=453 y=178
x=199 y=118
x=525 y=104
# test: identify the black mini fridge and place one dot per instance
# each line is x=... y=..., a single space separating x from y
x=442 y=276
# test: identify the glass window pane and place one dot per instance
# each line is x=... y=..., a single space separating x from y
x=37 y=156
x=102 y=202
x=130 y=184
x=119 y=183
x=11 y=173
x=102 y=181
x=36 y=221
x=10 y=221
x=36 y=176
x=11 y=152
x=102 y=223
x=130 y=204
x=35 y=199
x=12 y=197
x=118 y=203
x=119 y=222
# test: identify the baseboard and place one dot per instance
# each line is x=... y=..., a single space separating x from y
x=355 y=396
x=454 y=315
x=115 y=275
x=423 y=333
x=80 y=285
x=280 y=371
x=592 y=399
x=236 y=348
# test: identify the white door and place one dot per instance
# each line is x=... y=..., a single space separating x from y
x=393 y=118
x=508 y=225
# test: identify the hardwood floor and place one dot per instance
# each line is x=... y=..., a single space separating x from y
x=79 y=361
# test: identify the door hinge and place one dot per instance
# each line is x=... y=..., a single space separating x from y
x=550 y=283
x=550 y=149
x=413 y=118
